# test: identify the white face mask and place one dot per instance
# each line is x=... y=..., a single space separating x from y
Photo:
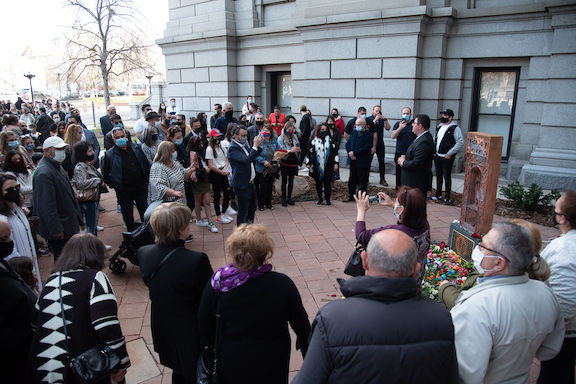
x=477 y=257
x=396 y=213
x=59 y=156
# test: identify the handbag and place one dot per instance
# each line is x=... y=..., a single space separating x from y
x=354 y=265
x=87 y=195
x=94 y=364
x=207 y=363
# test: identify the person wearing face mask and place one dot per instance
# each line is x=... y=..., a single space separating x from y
x=241 y=158
x=409 y=207
x=448 y=141
x=288 y=141
x=402 y=133
x=162 y=109
x=358 y=148
x=181 y=123
x=195 y=130
x=117 y=123
x=172 y=109
x=561 y=256
x=338 y=121
x=201 y=117
x=162 y=125
x=507 y=319
x=126 y=169
x=322 y=161
x=150 y=143
x=227 y=117
x=16 y=312
x=266 y=168
x=53 y=199
x=86 y=177
x=10 y=123
x=255 y=129
x=376 y=124
x=336 y=137
x=12 y=209
x=246 y=107
x=219 y=173
x=350 y=125
x=141 y=123
x=305 y=130
x=277 y=120
x=201 y=188
x=9 y=141
x=16 y=166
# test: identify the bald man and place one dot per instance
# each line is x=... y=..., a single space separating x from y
x=106 y=120
x=16 y=308
x=382 y=320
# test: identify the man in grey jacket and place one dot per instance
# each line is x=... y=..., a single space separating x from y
x=54 y=200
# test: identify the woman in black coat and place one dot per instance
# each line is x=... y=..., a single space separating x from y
x=255 y=305
x=176 y=286
x=323 y=161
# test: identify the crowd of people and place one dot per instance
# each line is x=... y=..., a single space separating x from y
x=518 y=306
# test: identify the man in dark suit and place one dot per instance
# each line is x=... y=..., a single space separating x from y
x=358 y=148
x=417 y=162
x=241 y=159
x=106 y=120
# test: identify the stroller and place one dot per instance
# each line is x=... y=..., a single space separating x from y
x=132 y=241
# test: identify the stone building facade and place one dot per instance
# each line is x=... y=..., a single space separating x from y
x=503 y=66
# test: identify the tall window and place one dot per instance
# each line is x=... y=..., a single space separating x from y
x=495 y=92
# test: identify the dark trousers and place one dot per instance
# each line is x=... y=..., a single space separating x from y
x=57 y=245
x=357 y=176
x=265 y=185
x=443 y=171
x=125 y=198
x=380 y=152
x=560 y=370
x=398 y=170
x=288 y=174
x=220 y=185
x=326 y=183
x=246 y=204
x=189 y=192
x=178 y=378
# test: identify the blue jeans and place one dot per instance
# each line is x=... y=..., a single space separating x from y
x=246 y=198
x=90 y=212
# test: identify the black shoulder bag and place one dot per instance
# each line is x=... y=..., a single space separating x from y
x=94 y=364
x=354 y=265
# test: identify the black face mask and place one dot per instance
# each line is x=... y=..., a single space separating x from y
x=90 y=157
x=444 y=120
x=12 y=195
x=259 y=123
x=154 y=137
x=331 y=126
x=6 y=248
x=554 y=220
x=229 y=114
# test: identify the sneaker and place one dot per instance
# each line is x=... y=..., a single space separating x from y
x=189 y=239
x=99 y=228
x=118 y=209
x=101 y=208
x=436 y=198
x=108 y=247
x=230 y=211
x=320 y=201
x=212 y=227
x=328 y=203
x=448 y=202
x=226 y=218
x=202 y=223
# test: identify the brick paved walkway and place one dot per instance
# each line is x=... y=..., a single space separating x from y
x=312 y=245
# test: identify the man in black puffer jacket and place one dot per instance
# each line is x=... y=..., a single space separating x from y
x=383 y=332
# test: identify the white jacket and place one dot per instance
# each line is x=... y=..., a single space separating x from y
x=561 y=257
x=501 y=324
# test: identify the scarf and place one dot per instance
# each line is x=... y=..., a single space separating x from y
x=322 y=149
x=229 y=277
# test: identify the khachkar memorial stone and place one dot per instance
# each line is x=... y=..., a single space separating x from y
x=483 y=157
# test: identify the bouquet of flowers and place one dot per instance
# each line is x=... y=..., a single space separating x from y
x=443 y=264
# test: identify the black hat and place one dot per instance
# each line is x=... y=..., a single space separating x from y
x=447 y=112
x=151 y=115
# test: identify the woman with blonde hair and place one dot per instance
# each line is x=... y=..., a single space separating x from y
x=10 y=141
x=176 y=278
x=73 y=135
x=167 y=176
x=251 y=305
x=539 y=269
x=26 y=116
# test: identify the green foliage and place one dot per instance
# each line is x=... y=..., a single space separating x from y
x=528 y=199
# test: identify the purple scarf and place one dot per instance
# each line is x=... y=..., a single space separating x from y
x=229 y=277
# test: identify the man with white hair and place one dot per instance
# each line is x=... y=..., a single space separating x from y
x=383 y=331
x=507 y=319
x=222 y=122
x=106 y=120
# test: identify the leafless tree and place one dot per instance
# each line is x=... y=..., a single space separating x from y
x=106 y=37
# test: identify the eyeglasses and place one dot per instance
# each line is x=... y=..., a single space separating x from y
x=481 y=246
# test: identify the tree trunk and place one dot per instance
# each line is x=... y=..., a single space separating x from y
x=105 y=88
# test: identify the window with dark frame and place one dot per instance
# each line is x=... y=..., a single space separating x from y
x=495 y=92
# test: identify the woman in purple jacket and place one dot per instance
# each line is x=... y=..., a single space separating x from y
x=410 y=210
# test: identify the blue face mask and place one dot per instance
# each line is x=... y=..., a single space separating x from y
x=121 y=142
x=396 y=213
x=324 y=133
x=405 y=117
x=179 y=141
x=13 y=144
x=119 y=125
x=174 y=156
x=363 y=116
x=30 y=147
x=358 y=128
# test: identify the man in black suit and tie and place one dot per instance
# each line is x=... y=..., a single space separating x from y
x=417 y=162
x=241 y=158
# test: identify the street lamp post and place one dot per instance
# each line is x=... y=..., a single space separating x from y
x=30 y=76
x=149 y=77
x=59 y=87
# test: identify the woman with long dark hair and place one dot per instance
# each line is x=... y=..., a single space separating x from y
x=322 y=162
x=288 y=141
x=15 y=165
x=90 y=313
x=202 y=186
x=266 y=168
x=218 y=164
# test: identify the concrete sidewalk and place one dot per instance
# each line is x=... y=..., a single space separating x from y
x=312 y=245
